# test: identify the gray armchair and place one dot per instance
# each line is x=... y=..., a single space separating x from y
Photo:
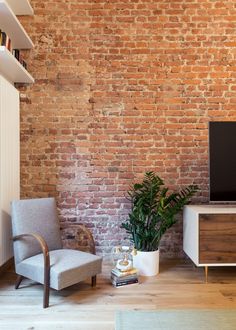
x=38 y=248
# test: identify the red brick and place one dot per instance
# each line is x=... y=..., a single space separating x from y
x=122 y=87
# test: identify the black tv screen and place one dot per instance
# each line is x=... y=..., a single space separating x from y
x=222 y=157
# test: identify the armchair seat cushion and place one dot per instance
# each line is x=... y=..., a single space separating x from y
x=67 y=267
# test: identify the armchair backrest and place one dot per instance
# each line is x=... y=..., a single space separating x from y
x=34 y=216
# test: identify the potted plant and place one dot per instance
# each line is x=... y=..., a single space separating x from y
x=153 y=211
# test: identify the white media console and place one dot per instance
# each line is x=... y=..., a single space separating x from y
x=209 y=235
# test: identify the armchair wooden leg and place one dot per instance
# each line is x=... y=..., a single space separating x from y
x=18 y=281
x=94 y=281
x=46 y=291
x=46 y=287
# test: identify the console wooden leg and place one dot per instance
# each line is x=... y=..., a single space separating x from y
x=206 y=274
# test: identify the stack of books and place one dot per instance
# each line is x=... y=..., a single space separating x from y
x=5 y=40
x=121 y=278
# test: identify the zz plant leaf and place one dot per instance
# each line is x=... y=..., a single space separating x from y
x=153 y=211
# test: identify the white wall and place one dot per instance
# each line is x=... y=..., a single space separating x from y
x=9 y=162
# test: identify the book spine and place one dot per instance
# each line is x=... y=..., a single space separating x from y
x=8 y=43
x=126 y=278
x=16 y=53
x=24 y=64
x=116 y=284
x=3 y=38
x=123 y=274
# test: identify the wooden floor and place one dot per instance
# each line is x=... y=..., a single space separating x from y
x=178 y=286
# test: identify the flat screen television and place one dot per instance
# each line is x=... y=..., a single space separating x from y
x=222 y=161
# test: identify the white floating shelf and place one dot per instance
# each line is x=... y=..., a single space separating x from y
x=11 y=25
x=21 y=7
x=11 y=69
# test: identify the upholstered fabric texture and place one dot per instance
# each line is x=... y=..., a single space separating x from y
x=67 y=267
x=35 y=216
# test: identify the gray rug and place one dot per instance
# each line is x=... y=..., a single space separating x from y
x=176 y=320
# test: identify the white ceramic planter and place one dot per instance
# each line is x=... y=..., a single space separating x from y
x=147 y=263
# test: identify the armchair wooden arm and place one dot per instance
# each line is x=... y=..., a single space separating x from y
x=74 y=235
x=93 y=248
x=90 y=236
x=46 y=256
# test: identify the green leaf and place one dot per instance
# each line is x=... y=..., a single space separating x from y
x=153 y=210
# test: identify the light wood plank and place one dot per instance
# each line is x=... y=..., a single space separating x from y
x=179 y=285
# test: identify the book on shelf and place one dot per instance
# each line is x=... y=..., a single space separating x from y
x=24 y=64
x=8 y=43
x=16 y=54
x=5 y=40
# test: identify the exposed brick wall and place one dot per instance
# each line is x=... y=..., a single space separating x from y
x=123 y=87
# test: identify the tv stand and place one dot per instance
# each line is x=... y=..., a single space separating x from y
x=209 y=235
